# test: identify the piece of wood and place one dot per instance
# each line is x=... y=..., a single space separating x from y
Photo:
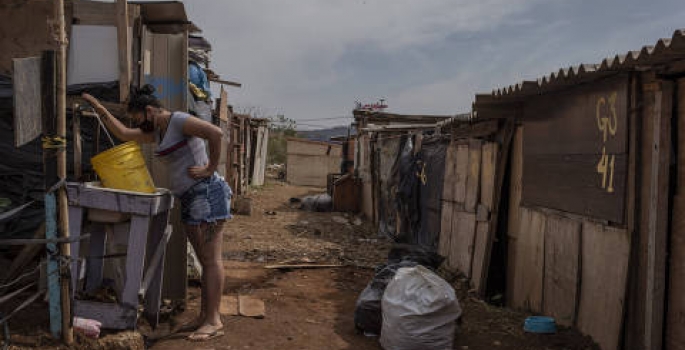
x=484 y=232
x=513 y=217
x=675 y=320
x=95 y=262
x=27 y=101
x=473 y=177
x=489 y=157
x=576 y=148
x=135 y=259
x=529 y=264
x=579 y=120
x=76 y=222
x=445 y=244
x=53 y=266
x=657 y=217
x=461 y=173
x=478 y=129
x=462 y=241
x=223 y=105
x=78 y=147
x=251 y=307
x=482 y=213
x=229 y=305
x=301 y=266
x=480 y=246
x=605 y=254
x=151 y=286
x=562 y=269
x=87 y=12
x=448 y=193
x=570 y=183
x=124 y=49
x=61 y=98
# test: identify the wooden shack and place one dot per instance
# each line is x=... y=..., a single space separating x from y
x=309 y=162
x=595 y=232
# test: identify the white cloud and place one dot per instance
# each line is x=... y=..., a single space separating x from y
x=314 y=58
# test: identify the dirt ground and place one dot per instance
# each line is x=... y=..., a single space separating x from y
x=314 y=308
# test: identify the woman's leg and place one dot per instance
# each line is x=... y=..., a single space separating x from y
x=210 y=241
x=195 y=237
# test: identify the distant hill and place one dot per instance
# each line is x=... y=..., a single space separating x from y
x=324 y=134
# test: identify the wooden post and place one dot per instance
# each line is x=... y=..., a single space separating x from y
x=123 y=45
x=76 y=118
x=51 y=177
x=61 y=97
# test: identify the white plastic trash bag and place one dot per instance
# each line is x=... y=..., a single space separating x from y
x=419 y=311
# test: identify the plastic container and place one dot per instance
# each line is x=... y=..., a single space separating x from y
x=540 y=324
x=123 y=168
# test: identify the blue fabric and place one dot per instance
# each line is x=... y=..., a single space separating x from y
x=198 y=77
x=207 y=201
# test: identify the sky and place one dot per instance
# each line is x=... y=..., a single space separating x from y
x=310 y=60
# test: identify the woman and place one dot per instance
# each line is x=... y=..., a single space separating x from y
x=204 y=195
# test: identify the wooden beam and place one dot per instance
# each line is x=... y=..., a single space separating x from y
x=657 y=204
x=124 y=54
x=88 y=12
x=226 y=82
x=76 y=132
x=61 y=98
x=50 y=170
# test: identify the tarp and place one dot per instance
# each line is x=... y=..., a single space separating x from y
x=419 y=178
x=21 y=169
x=387 y=154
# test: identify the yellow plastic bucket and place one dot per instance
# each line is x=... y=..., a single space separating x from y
x=123 y=168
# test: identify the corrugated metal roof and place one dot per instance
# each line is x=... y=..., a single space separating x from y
x=664 y=51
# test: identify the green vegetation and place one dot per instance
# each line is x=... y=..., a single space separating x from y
x=281 y=128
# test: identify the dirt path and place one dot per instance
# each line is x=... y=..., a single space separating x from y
x=307 y=309
x=313 y=309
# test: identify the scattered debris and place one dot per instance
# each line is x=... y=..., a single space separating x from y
x=301 y=266
x=229 y=305
x=251 y=307
x=243 y=206
x=419 y=323
x=357 y=221
x=317 y=203
x=340 y=220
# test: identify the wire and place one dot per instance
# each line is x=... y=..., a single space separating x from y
x=329 y=118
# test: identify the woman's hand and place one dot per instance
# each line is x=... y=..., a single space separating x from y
x=200 y=172
x=90 y=99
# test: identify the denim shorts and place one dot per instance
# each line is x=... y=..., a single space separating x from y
x=209 y=200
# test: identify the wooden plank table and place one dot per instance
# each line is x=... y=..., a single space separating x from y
x=147 y=238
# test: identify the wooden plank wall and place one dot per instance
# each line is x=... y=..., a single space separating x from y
x=645 y=304
x=562 y=268
x=470 y=167
x=675 y=321
x=486 y=206
x=529 y=263
x=605 y=255
x=164 y=63
x=513 y=218
x=24 y=30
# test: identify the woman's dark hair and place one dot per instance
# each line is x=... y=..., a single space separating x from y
x=141 y=98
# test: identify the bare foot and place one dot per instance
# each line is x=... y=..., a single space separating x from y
x=207 y=332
